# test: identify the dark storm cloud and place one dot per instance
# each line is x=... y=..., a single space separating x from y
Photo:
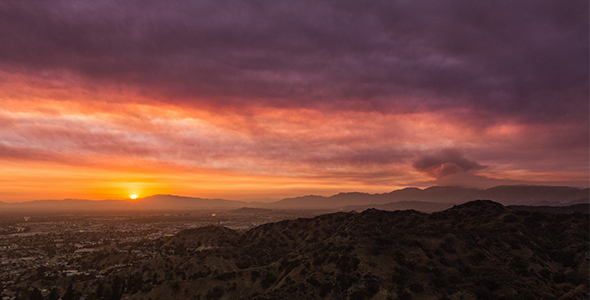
x=525 y=60
x=447 y=162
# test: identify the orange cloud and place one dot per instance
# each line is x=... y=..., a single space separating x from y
x=61 y=140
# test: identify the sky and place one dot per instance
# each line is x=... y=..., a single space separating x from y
x=261 y=100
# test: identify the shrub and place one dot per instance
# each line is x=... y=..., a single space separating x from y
x=325 y=289
x=243 y=263
x=311 y=280
x=345 y=281
x=476 y=258
x=399 y=257
x=416 y=287
x=267 y=280
x=447 y=245
x=400 y=276
x=254 y=275
x=215 y=293
x=405 y=295
x=510 y=218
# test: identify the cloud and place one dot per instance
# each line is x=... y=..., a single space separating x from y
x=341 y=91
x=446 y=162
x=484 y=182
x=525 y=60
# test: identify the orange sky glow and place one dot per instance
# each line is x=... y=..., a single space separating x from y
x=93 y=149
x=108 y=100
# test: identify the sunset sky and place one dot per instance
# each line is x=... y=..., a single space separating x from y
x=261 y=100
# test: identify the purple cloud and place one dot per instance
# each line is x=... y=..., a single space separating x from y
x=507 y=80
x=525 y=60
x=446 y=162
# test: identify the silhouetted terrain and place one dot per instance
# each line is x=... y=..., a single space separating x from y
x=426 y=200
x=478 y=250
x=569 y=209
x=427 y=207
x=155 y=202
x=507 y=195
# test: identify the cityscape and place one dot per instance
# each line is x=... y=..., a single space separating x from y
x=44 y=249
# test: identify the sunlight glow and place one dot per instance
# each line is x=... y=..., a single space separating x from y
x=133 y=197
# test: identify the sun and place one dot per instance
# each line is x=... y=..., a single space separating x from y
x=133 y=197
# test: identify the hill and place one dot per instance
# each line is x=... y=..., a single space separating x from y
x=477 y=250
x=566 y=209
x=427 y=207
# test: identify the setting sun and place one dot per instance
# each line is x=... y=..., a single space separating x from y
x=133 y=196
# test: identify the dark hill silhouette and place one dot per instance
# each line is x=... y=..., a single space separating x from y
x=566 y=209
x=204 y=238
x=477 y=250
x=427 y=207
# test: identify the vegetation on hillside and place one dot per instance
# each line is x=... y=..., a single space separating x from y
x=478 y=250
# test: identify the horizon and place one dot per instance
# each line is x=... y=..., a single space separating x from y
x=236 y=100
x=268 y=201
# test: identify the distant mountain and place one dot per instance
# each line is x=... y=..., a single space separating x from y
x=432 y=194
x=579 y=201
x=155 y=202
x=534 y=195
x=66 y=205
x=549 y=203
x=508 y=195
x=477 y=250
x=409 y=198
x=170 y=202
x=445 y=194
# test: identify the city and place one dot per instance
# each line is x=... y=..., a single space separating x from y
x=50 y=251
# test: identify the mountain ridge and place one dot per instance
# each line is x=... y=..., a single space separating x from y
x=509 y=195
x=439 y=196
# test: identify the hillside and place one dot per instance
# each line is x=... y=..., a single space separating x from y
x=566 y=209
x=427 y=207
x=478 y=250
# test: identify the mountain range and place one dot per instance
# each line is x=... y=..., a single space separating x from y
x=507 y=195
x=426 y=200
